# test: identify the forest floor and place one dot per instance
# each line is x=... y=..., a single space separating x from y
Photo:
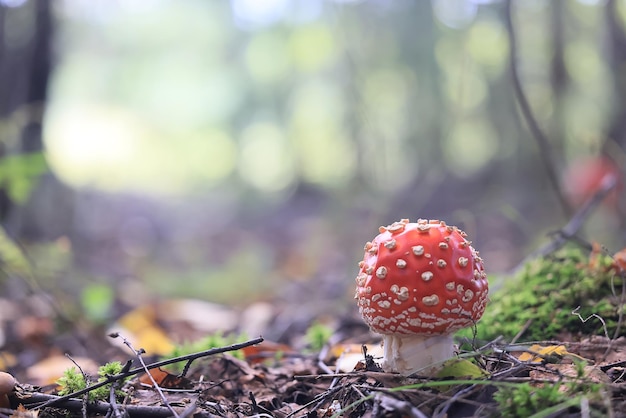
x=565 y=378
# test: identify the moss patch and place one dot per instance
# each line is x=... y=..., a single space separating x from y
x=545 y=294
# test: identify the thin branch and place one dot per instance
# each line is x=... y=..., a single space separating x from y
x=119 y=376
x=584 y=320
x=569 y=231
x=542 y=141
x=75 y=405
x=138 y=354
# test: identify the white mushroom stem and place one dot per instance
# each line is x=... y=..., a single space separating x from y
x=408 y=354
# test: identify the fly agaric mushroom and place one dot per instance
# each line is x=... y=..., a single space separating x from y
x=7 y=385
x=417 y=284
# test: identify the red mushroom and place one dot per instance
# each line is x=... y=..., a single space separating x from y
x=417 y=284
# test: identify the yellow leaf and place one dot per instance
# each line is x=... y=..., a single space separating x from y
x=141 y=328
x=461 y=368
x=537 y=353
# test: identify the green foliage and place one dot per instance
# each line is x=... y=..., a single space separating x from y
x=545 y=294
x=12 y=257
x=526 y=399
x=97 y=301
x=19 y=172
x=317 y=335
x=73 y=380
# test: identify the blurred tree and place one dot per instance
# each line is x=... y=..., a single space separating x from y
x=25 y=61
x=617 y=61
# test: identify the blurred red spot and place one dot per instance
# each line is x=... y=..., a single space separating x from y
x=584 y=177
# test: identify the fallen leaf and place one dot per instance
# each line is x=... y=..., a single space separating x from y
x=165 y=380
x=350 y=356
x=461 y=368
x=266 y=350
x=537 y=353
x=49 y=370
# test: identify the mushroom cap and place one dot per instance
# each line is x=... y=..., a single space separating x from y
x=7 y=383
x=421 y=278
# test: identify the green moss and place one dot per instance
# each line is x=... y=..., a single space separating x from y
x=545 y=294
x=73 y=381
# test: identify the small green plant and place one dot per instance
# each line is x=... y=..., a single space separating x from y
x=524 y=400
x=73 y=381
x=317 y=335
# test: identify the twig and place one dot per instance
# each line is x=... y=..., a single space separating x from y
x=119 y=376
x=622 y=300
x=114 y=406
x=190 y=410
x=583 y=320
x=326 y=369
x=576 y=222
x=322 y=396
x=92 y=407
x=442 y=409
x=544 y=146
x=138 y=354
x=85 y=379
x=397 y=406
x=522 y=331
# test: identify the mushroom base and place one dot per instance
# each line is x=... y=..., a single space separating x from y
x=416 y=354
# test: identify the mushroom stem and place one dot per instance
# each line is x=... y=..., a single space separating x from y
x=409 y=354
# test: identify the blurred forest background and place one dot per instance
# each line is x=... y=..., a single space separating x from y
x=245 y=150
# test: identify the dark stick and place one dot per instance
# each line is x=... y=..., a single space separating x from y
x=568 y=231
x=119 y=376
x=93 y=407
x=527 y=113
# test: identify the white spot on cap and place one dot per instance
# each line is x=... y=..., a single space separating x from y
x=427 y=276
x=400 y=263
x=443 y=245
x=360 y=279
x=396 y=227
x=441 y=263
x=418 y=250
x=391 y=244
x=381 y=272
x=431 y=300
x=463 y=261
